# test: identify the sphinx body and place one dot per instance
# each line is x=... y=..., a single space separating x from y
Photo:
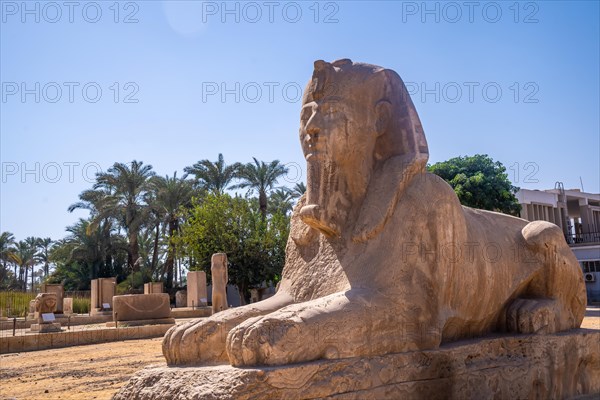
x=382 y=258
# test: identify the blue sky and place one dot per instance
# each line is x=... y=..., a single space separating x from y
x=517 y=81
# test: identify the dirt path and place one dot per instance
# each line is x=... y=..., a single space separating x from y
x=81 y=372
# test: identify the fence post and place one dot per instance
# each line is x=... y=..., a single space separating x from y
x=14 y=326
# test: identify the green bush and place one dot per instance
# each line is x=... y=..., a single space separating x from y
x=15 y=304
x=81 y=305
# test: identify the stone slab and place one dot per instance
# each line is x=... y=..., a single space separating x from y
x=98 y=312
x=153 y=287
x=189 y=312
x=196 y=289
x=132 y=307
x=509 y=367
x=46 y=327
x=141 y=322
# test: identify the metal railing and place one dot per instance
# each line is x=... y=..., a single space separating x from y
x=581 y=238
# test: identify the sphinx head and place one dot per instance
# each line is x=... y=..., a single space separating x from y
x=354 y=118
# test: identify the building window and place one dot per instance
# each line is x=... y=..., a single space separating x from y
x=590 y=266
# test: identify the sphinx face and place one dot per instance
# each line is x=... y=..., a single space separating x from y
x=336 y=134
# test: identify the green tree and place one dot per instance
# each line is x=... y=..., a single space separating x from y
x=261 y=178
x=79 y=257
x=7 y=257
x=126 y=187
x=170 y=196
x=24 y=257
x=298 y=190
x=104 y=213
x=215 y=176
x=479 y=182
x=44 y=245
x=281 y=201
x=254 y=245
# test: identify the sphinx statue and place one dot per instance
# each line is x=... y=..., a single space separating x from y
x=382 y=258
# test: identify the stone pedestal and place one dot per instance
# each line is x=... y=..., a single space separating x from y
x=103 y=290
x=196 y=289
x=153 y=287
x=142 y=307
x=58 y=290
x=555 y=366
x=46 y=327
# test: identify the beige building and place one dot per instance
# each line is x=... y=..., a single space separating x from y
x=577 y=213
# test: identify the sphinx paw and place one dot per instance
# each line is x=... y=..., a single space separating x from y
x=531 y=316
x=267 y=340
x=195 y=342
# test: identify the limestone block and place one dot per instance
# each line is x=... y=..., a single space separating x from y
x=103 y=290
x=133 y=307
x=153 y=287
x=196 y=289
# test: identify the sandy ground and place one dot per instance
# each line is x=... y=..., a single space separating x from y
x=98 y=371
x=82 y=372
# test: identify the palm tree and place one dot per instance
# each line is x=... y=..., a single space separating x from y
x=24 y=257
x=213 y=176
x=127 y=186
x=170 y=195
x=104 y=212
x=43 y=255
x=260 y=177
x=298 y=190
x=32 y=243
x=281 y=201
x=7 y=253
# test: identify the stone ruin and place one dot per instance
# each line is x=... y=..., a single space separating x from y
x=59 y=290
x=45 y=307
x=218 y=271
x=387 y=290
x=154 y=287
x=141 y=309
x=196 y=289
x=103 y=290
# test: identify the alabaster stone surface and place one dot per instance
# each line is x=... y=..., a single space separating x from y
x=218 y=271
x=382 y=258
x=133 y=307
